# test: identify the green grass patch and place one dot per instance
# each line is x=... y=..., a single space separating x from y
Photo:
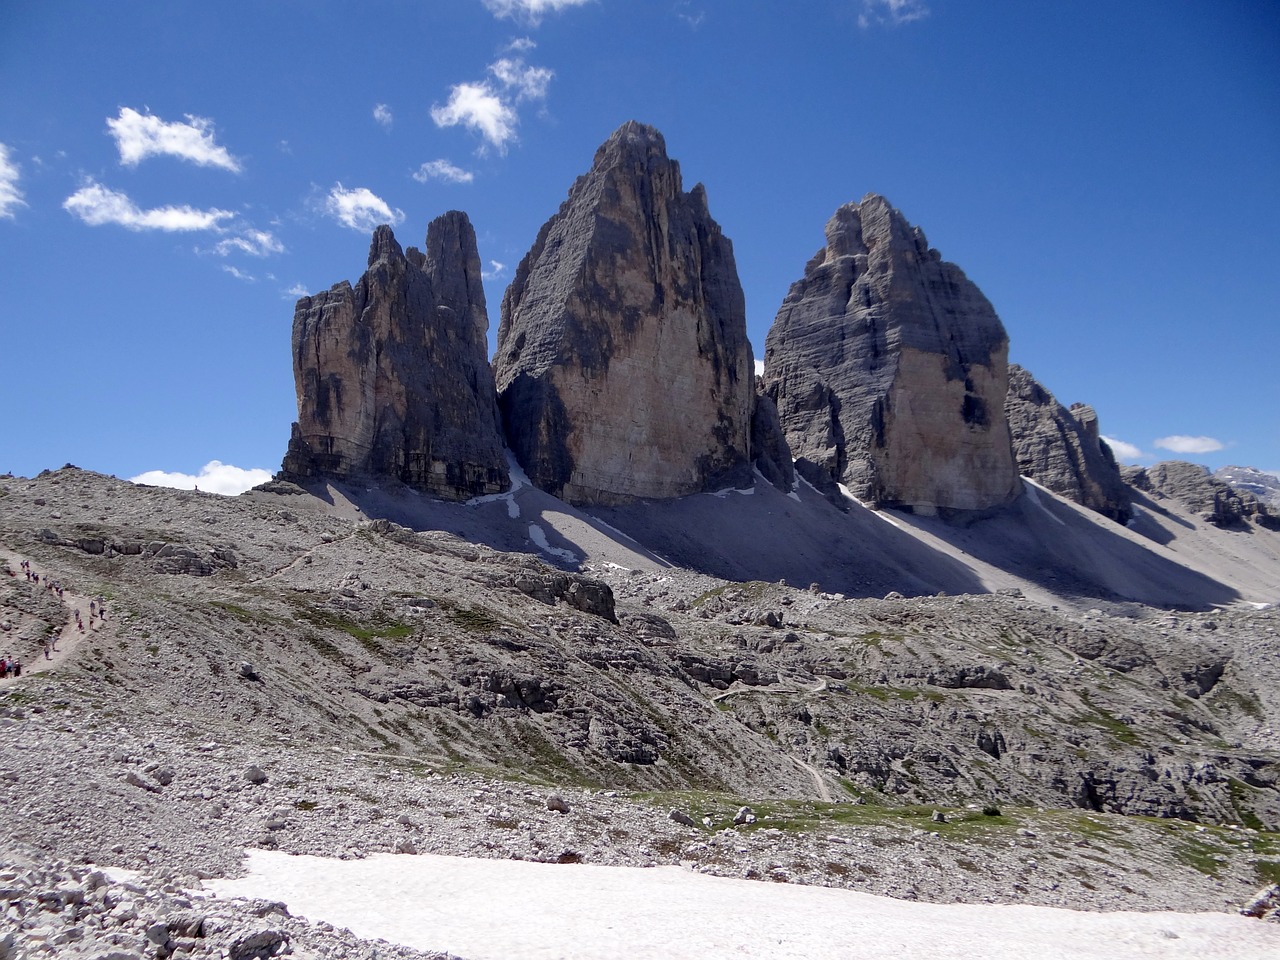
x=743 y=592
x=476 y=619
x=1268 y=871
x=1240 y=804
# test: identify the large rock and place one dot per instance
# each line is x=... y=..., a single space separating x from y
x=889 y=370
x=1192 y=485
x=392 y=375
x=1062 y=449
x=623 y=366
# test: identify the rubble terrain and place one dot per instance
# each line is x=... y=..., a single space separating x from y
x=278 y=671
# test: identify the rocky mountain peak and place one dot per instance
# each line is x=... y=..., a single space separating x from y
x=889 y=370
x=623 y=366
x=1062 y=449
x=392 y=375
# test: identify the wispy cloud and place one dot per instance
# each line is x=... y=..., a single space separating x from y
x=382 y=114
x=239 y=274
x=694 y=20
x=296 y=291
x=142 y=135
x=488 y=107
x=521 y=45
x=1125 y=452
x=10 y=196
x=442 y=170
x=360 y=208
x=255 y=243
x=1182 y=444
x=529 y=11
x=495 y=270
x=214 y=477
x=526 y=82
x=96 y=205
x=891 y=13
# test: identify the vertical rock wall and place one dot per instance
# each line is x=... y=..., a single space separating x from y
x=889 y=371
x=392 y=375
x=623 y=367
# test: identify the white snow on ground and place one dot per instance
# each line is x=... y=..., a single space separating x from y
x=1032 y=487
x=518 y=479
x=516 y=910
x=539 y=538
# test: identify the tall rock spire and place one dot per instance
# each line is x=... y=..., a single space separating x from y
x=392 y=375
x=889 y=370
x=623 y=366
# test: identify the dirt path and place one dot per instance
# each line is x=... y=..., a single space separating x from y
x=67 y=639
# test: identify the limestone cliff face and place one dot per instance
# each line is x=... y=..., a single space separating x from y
x=392 y=375
x=1062 y=448
x=890 y=368
x=623 y=367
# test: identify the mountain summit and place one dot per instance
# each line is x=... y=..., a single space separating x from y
x=889 y=369
x=623 y=366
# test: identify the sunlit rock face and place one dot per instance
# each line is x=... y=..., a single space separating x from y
x=889 y=369
x=392 y=375
x=623 y=367
x=1062 y=449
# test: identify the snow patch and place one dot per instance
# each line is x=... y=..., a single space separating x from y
x=539 y=538
x=1033 y=495
x=486 y=909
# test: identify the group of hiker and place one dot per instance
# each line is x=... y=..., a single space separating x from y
x=9 y=666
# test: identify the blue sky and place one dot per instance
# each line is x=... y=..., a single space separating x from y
x=173 y=175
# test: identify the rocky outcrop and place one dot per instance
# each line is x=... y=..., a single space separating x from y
x=889 y=370
x=1191 y=485
x=392 y=375
x=1263 y=484
x=623 y=366
x=1061 y=449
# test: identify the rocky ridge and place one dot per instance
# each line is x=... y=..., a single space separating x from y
x=1192 y=485
x=889 y=371
x=392 y=375
x=1063 y=449
x=623 y=366
x=1263 y=484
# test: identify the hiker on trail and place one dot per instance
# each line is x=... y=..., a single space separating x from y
x=17 y=669
x=102 y=607
x=46 y=650
x=4 y=667
x=93 y=608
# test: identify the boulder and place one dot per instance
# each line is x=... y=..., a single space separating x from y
x=392 y=375
x=889 y=369
x=1062 y=449
x=623 y=367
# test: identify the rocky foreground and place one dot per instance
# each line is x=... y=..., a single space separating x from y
x=279 y=671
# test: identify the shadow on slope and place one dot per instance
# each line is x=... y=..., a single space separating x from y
x=1074 y=553
x=762 y=534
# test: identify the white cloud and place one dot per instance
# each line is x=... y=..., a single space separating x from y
x=442 y=170
x=479 y=108
x=529 y=83
x=139 y=136
x=759 y=368
x=10 y=195
x=1180 y=444
x=256 y=243
x=1125 y=452
x=891 y=12
x=495 y=270
x=96 y=205
x=488 y=107
x=239 y=274
x=360 y=208
x=521 y=45
x=529 y=11
x=382 y=113
x=296 y=291
x=214 y=477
